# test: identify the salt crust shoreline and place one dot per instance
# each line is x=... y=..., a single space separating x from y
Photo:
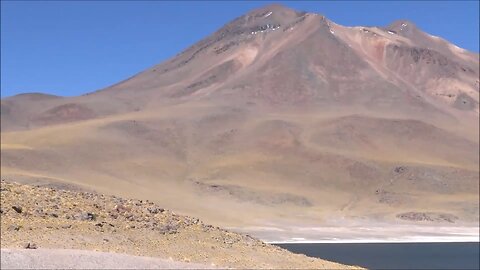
x=393 y=234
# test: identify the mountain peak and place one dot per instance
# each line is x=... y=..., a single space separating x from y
x=265 y=18
x=402 y=26
x=275 y=12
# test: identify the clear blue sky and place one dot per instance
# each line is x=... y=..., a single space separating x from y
x=69 y=48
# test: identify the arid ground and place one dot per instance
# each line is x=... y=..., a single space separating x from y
x=50 y=219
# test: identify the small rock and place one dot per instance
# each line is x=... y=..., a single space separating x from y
x=400 y=169
x=14 y=228
x=151 y=224
x=121 y=209
x=66 y=226
x=39 y=212
x=30 y=246
x=17 y=209
x=168 y=229
x=228 y=242
x=85 y=216
x=155 y=210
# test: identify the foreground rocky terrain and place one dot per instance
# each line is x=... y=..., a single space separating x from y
x=50 y=218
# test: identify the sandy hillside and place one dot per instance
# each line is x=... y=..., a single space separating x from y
x=46 y=218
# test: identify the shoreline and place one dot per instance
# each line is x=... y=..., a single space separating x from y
x=374 y=241
x=375 y=234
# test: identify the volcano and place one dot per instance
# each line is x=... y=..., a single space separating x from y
x=277 y=119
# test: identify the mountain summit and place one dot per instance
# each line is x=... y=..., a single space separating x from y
x=276 y=55
x=279 y=116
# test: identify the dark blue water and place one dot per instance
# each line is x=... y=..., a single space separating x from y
x=395 y=255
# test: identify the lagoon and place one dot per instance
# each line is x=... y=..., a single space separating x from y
x=452 y=255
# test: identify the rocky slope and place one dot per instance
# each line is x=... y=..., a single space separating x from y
x=39 y=217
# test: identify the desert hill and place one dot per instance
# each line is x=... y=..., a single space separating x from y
x=39 y=217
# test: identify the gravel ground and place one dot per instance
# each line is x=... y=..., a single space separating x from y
x=84 y=259
x=48 y=218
